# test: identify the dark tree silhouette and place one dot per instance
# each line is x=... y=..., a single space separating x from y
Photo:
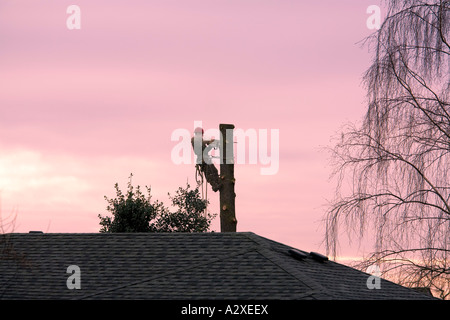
x=398 y=158
x=135 y=212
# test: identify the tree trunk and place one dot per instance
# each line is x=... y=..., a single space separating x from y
x=227 y=196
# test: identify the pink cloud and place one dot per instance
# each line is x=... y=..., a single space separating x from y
x=84 y=108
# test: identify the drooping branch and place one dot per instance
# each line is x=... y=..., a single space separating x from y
x=397 y=160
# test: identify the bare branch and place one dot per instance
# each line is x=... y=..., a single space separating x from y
x=397 y=159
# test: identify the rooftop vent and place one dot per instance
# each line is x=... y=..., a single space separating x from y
x=318 y=257
x=297 y=254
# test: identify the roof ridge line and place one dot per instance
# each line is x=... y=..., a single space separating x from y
x=268 y=252
x=213 y=260
x=259 y=240
x=313 y=285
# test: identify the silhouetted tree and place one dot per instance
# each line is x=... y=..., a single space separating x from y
x=399 y=157
x=134 y=212
x=189 y=217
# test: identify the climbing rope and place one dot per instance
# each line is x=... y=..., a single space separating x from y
x=199 y=177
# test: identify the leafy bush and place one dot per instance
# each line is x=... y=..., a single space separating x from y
x=134 y=212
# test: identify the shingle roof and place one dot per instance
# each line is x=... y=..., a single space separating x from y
x=239 y=265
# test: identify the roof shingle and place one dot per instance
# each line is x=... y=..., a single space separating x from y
x=134 y=266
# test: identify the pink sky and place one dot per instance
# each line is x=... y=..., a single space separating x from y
x=82 y=109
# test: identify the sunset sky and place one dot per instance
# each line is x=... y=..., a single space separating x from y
x=82 y=109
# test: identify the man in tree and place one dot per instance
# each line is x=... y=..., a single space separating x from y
x=204 y=161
